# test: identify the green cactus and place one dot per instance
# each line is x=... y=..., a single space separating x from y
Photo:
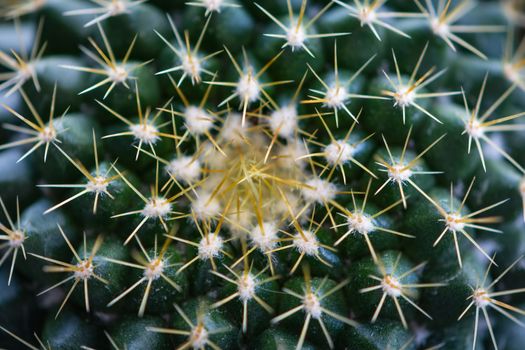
x=278 y=174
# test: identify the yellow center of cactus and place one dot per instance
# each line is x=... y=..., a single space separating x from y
x=245 y=180
x=284 y=121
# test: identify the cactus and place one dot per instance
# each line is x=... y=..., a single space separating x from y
x=280 y=174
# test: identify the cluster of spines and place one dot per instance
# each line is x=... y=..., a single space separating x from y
x=211 y=133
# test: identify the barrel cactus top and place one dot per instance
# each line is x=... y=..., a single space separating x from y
x=277 y=174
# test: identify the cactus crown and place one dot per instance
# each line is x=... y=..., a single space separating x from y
x=231 y=174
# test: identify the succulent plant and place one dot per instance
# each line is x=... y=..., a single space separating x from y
x=280 y=174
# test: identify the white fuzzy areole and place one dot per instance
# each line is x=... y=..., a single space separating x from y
x=248 y=88
x=295 y=37
x=198 y=121
x=404 y=96
x=47 y=135
x=210 y=247
x=336 y=97
x=117 y=7
x=118 y=74
x=154 y=269
x=391 y=286
x=147 y=133
x=440 y=28
x=399 y=174
x=367 y=16
x=16 y=240
x=156 y=207
x=475 y=129
x=199 y=337
x=99 y=184
x=191 y=65
x=481 y=299
x=339 y=152
x=213 y=5
x=319 y=191
x=185 y=168
x=453 y=222
x=246 y=287
x=284 y=121
x=26 y=71
x=84 y=270
x=312 y=305
x=265 y=238
x=306 y=243
x=512 y=74
x=360 y=223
